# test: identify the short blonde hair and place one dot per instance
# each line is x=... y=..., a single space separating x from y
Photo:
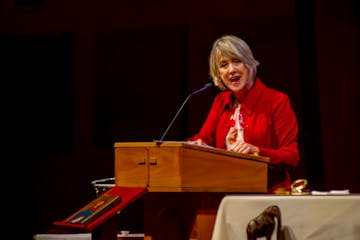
x=230 y=46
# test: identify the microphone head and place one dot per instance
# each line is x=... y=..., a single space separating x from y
x=210 y=84
x=206 y=86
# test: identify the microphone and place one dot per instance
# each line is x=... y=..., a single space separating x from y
x=206 y=86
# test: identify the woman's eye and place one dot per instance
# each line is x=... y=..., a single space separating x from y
x=223 y=64
x=237 y=61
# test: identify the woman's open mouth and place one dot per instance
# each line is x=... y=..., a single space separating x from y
x=234 y=79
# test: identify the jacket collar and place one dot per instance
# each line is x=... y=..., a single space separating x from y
x=251 y=99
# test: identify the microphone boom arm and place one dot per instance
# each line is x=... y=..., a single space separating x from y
x=182 y=106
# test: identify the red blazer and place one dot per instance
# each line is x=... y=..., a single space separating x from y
x=269 y=123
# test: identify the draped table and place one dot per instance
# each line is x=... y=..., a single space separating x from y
x=302 y=217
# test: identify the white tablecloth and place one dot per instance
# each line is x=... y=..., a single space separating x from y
x=303 y=217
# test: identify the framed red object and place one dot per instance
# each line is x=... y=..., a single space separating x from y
x=127 y=195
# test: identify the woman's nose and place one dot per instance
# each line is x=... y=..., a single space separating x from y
x=231 y=67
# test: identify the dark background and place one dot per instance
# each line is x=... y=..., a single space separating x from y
x=78 y=76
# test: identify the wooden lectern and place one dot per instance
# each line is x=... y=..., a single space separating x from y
x=185 y=183
x=185 y=167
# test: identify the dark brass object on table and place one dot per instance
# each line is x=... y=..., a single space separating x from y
x=264 y=224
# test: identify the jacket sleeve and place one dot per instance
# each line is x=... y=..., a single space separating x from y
x=208 y=130
x=286 y=131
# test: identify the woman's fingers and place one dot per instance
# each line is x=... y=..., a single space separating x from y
x=242 y=147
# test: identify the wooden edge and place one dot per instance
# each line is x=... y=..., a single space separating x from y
x=246 y=189
x=191 y=146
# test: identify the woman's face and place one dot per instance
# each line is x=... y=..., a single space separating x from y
x=235 y=74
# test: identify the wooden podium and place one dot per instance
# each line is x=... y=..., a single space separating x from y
x=185 y=184
x=184 y=167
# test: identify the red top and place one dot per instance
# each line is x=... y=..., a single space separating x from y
x=269 y=123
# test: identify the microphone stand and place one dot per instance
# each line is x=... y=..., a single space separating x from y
x=208 y=85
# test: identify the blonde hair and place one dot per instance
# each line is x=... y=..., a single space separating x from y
x=230 y=46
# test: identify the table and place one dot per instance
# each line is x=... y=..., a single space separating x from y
x=302 y=217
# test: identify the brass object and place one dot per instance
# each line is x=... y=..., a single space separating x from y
x=282 y=191
x=299 y=187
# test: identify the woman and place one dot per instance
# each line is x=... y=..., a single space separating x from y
x=247 y=116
